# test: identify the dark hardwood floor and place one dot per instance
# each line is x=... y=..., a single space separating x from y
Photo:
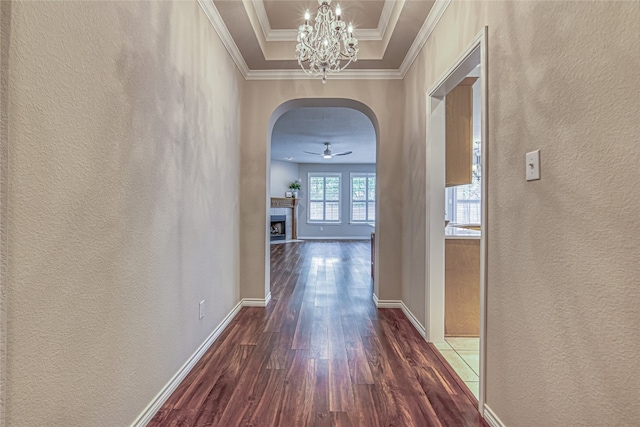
x=320 y=354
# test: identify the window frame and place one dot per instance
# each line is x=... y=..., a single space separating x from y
x=324 y=175
x=367 y=201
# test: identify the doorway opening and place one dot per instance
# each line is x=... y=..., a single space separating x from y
x=321 y=170
x=456 y=244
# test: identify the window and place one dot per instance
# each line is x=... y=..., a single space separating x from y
x=324 y=197
x=363 y=197
x=462 y=203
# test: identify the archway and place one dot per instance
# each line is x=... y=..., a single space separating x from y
x=301 y=103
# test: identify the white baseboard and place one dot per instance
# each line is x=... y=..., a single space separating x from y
x=491 y=418
x=256 y=302
x=414 y=320
x=399 y=304
x=153 y=407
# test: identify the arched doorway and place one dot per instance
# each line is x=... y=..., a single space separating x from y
x=323 y=105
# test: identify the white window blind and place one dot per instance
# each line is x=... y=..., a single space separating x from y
x=324 y=197
x=363 y=197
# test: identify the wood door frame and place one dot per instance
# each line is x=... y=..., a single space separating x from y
x=474 y=54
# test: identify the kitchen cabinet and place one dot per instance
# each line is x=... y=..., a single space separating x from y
x=459 y=133
x=462 y=287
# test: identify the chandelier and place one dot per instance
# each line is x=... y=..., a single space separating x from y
x=326 y=47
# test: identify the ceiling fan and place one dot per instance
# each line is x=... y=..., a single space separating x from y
x=327 y=154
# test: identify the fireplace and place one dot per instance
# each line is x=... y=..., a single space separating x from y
x=278 y=227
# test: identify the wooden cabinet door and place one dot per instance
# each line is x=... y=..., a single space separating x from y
x=462 y=288
x=459 y=133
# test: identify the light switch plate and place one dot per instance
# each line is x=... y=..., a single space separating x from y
x=533 y=165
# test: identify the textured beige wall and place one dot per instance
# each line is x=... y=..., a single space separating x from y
x=563 y=292
x=260 y=101
x=123 y=187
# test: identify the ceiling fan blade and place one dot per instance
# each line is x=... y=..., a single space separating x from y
x=344 y=153
x=315 y=154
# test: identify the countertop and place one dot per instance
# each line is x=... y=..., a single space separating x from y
x=457 y=232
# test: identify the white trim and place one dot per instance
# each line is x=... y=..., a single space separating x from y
x=436 y=12
x=292 y=35
x=157 y=402
x=475 y=53
x=334 y=238
x=491 y=418
x=256 y=302
x=413 y=319
x=225 y=36
x=484 y=226
x=348 y=74
x=445 y=83
x=385 y=17
x=388 y=303
x=271 y=35
x=401 y=305
x=366 y=176
x=263 y=19
x=324 y=201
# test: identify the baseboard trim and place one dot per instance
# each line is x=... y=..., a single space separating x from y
x=414 y=320
x=389 y=303
x=491 y=418
x=400 y=304
x=148 y=413
x=256 y=302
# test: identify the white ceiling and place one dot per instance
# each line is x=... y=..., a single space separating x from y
x=307 y=128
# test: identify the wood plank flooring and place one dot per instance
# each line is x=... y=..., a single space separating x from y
x=320 y=354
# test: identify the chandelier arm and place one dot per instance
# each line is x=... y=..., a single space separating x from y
x=325 y=47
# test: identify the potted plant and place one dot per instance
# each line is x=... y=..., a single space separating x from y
x=295 y=186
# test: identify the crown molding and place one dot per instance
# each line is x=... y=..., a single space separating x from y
x=292 y=35
x=218 y=24
x=436 y=12
x=272 y=35
x=263 y=19
x=385 y=16
x=342 y=75
x=438 y=9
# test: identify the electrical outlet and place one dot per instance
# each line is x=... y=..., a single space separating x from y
x=321 y=228
x=201 y=309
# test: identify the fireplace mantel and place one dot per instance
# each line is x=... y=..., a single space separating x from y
x=284 y=202
x=288 y=202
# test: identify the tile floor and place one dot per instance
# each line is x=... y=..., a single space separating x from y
x=463 y=356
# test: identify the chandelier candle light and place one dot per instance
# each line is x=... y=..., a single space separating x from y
x=327 y=44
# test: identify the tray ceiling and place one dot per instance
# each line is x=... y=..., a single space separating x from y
x=260 y=35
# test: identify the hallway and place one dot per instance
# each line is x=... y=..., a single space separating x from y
x=320 y=354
